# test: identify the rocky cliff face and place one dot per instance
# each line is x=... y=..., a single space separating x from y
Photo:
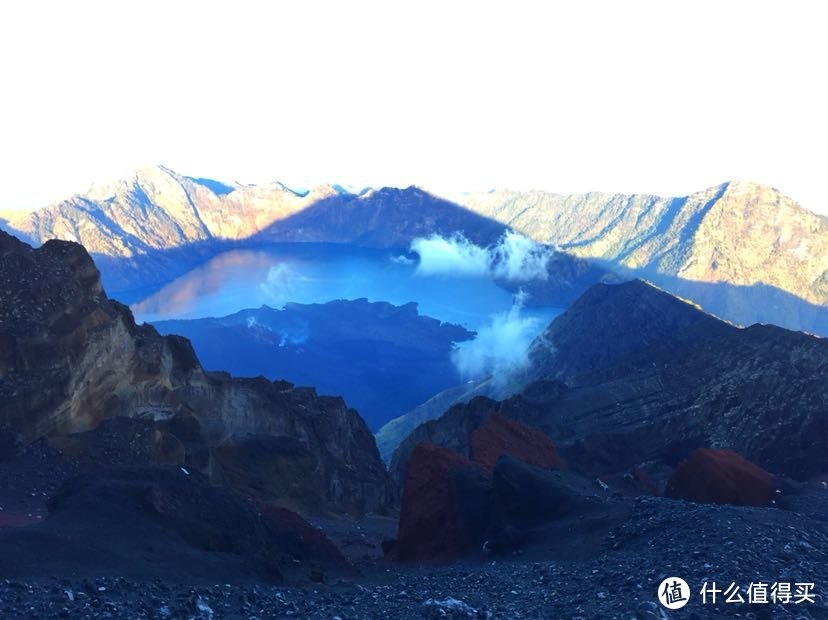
x=158 y=209
x=737 y=248
x=156 y=224
x=70 y=357
x=630 y=374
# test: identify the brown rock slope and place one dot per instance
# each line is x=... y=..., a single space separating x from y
x=630 y=374
x=721 y=477
x=499 y=435
x=70 y=357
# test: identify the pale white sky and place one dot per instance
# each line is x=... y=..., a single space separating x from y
x=662 y=97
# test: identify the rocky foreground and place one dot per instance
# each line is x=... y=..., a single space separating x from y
x=135 y=484
x=619 y=579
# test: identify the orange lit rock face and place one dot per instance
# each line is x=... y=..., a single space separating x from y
x=499 y=435
x=721 y=477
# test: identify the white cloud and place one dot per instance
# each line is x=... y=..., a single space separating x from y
x=515 y=257
x=450 y=256
x=500 y=348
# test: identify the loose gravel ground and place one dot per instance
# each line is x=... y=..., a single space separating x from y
x=662 y=538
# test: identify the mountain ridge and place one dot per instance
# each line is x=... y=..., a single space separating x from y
x=742 y=250
x=613 y=395
x=683 y=236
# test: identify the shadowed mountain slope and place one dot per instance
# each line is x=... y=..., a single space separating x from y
x=70 y=357
x=630 y=374
x=740 y=234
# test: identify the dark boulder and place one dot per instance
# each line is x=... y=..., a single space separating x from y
x=446 y=506
x=499 y=435
x=298 y=538
x=721 y=477
x=526 y=495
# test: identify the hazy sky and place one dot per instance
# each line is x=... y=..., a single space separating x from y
x=663 y=97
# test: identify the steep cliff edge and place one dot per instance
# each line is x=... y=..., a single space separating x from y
x=70 y=357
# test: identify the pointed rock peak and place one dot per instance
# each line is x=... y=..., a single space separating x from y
x=743 y=187
x=148 y=174
x=612 y=321
x=637 y=292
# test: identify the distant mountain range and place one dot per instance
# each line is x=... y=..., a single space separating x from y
x=741 y=250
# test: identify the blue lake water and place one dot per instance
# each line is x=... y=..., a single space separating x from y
x=317 y=273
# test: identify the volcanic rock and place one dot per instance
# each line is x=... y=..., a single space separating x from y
x=445 y=509
x=499 y=435
x=161 y=521
x=70 y=358
x=721 y=477
x=526 y=495
x=270 y=468
x=630 y=374
x=297 y=537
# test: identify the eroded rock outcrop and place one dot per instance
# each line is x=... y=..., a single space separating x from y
x=70 y=358
x=445 y=511
x=453 y=507
x=721 y=477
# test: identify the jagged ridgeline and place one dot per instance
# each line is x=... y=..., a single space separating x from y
x=630 y=374
x=71 y=358
x=742 y=251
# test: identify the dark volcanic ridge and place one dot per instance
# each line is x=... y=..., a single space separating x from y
x=71 y=358
x=631 y=375
x=383 y=359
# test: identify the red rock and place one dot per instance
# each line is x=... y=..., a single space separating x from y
x=721 y=477
x=446 y=506
x=499 y=435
